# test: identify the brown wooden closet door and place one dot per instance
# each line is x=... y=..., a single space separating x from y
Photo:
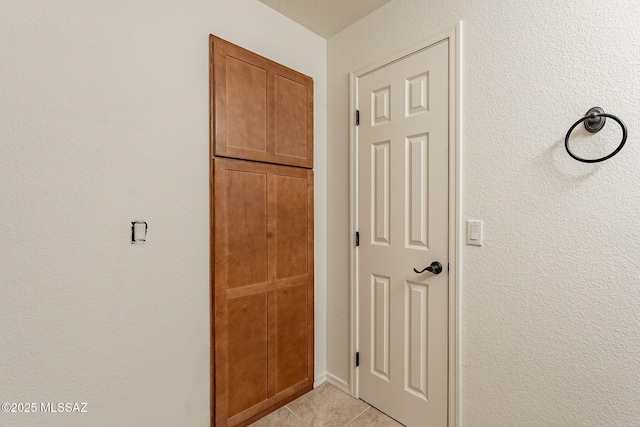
x=262 y=110
x=263 y=288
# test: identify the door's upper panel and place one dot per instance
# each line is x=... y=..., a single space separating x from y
x=260 y=110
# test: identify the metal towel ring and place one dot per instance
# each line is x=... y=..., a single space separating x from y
x=593 y=122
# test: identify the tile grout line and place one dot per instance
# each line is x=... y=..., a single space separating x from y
x=296 y=415
x=356 y=417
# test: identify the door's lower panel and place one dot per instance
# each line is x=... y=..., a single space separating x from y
x=263 y=319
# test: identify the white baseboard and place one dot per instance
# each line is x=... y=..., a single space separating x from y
x=337 y=383
x=320 y=379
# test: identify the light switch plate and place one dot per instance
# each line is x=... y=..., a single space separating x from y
x=474 y=232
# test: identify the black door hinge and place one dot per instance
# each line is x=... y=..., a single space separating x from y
x=357 y=117
x=357 y=359
x=357 y=238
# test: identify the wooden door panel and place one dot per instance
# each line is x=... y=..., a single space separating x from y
x=247 y=350
x=260 y=110
x=291 y=118
x=290 y=211
x=292 y=343
x=263 y=323
x=246 y=203
x=246 y=105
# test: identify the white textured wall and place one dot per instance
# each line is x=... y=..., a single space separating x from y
x=104 y=120
x=551 y=302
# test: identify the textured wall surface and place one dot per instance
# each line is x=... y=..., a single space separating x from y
x=104 y=120
x=551 y=302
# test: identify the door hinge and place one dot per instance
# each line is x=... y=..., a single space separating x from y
x=357 y=117
x=357 y=359
x=357 y=238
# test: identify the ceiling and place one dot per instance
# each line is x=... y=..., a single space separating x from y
x=325 y=17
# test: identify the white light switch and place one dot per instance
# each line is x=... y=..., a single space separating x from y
x=474 y=232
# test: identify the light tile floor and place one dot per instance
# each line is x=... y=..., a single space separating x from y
x=326 y=406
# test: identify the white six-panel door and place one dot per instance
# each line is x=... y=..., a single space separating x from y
x=403 y=212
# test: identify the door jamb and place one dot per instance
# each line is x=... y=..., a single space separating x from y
x=454 y=35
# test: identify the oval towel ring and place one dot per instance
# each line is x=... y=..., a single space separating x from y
x=596 y=115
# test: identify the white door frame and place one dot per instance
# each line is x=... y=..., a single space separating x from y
x=454 y=36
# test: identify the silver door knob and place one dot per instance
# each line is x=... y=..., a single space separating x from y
x=435 y=268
